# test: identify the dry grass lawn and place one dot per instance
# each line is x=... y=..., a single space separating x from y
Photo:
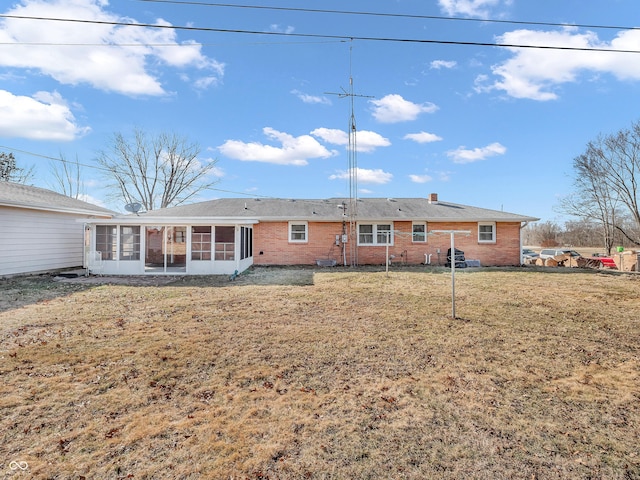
x=332 y=374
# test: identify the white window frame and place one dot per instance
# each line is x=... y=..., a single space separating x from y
x=305 y=233
x=493 y=232
x=424 y=233
x=375 y=234
x=129 y=243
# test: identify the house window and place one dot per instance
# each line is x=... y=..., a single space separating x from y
x=106 y=238
x=225 y=243
x=201 y=243
x=375 y=234
x=298 y=231
x=129 y=243
x=246 y=242
x=419 y=232
x=487 y=232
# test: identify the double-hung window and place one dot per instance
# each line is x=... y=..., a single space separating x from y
x=375 y=234
x=486 y=232
x=298 y=232
x=419 y=232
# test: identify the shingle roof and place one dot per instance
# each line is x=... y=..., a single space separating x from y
x=273 y=209
x=26 y=196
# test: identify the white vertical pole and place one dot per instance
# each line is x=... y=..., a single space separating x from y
x=453 y=264
x=387 y=253
x=453 y=276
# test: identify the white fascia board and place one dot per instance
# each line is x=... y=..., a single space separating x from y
x=481 y=219
x=142 y=220
x=45 y=208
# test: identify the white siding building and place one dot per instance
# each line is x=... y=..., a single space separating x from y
x=40 y=231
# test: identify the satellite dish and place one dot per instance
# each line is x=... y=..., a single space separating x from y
x=133 y=207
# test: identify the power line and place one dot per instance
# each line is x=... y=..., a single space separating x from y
x=390 y=15
x=324 y=36
x=106 y=170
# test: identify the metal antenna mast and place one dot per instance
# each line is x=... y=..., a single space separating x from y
x=352 y=150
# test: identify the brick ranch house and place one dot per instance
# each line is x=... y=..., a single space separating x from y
x=231 y=234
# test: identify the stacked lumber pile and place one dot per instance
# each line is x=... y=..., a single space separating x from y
x=626 y=261
x=561 y=261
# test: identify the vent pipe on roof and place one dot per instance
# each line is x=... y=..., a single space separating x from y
x=433 y=198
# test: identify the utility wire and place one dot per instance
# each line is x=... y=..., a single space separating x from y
x=98 y=167
x=390 y=15
x=106 y=170
x=325 y=36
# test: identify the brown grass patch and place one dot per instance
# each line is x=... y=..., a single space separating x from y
x=329 y=374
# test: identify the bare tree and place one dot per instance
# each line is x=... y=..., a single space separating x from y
x=159 y=171
x=606 y=185
x=11 y=172
x=545 y=234
x=593 y=199
x=67 y=177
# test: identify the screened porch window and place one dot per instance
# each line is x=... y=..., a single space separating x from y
x=225 y=238
x=106 y=241
x=246 y=242
x=201 y=243
x=129 y=243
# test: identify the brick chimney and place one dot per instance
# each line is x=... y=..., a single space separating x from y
x=433 y=198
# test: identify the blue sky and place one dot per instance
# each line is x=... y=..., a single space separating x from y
x=488 y=126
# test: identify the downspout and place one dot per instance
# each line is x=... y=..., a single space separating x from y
x=521 y=227
x=84 y=247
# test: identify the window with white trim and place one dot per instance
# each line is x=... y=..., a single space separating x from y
x=225 y=243
x=419 y=232
x=201 y=242
x=375 y=234
x=298 y=232
x=107 y=241
x=486 y=232
x=130 y=242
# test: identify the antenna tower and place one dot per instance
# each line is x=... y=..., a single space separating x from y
x=352 y=152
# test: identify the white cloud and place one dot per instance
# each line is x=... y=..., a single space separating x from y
x=107 y=57
x=366 y=141
x=471 y=8
x=464 y=155
x=536 y=73
x=92 y=200
x=420 y=178
x=393 y=109
x=423 y=137
x=306 y=98
x=438 y=64
x=331 y=135
x=218 y=172
x=292 y=150
x=45 y=116
x=274 y=27
x=377 y=176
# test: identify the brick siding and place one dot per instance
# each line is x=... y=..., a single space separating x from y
x=272 y=247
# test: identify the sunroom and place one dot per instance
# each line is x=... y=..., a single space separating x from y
x=156 y=246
